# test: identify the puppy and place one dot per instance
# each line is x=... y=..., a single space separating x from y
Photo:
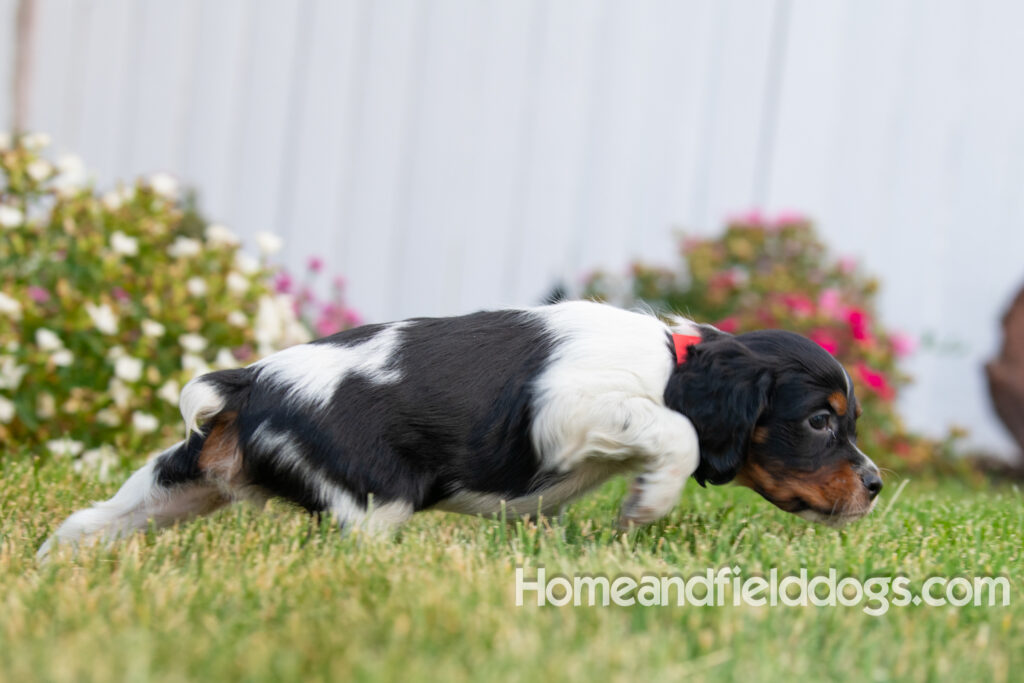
x=521 y=410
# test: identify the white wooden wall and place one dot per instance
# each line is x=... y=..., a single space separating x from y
x=447 y=155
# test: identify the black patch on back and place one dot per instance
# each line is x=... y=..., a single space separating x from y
x=459 y=417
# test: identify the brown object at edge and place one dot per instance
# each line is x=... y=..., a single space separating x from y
x=1006 y=373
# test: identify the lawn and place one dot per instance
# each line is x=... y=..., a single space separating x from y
x=249 y=595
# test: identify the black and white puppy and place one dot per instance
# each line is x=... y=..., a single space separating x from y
x=523 y=408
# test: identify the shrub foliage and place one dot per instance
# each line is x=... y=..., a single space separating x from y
x=110 y=302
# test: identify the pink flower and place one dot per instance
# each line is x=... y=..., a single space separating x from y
x=338 y=282
x=727 y=325
x=902 y=344
x=858 y=321
x=38 y=294
x=875 y=381
x=316 y=264
x=784 y=218
x=799 y=304
x=847 y=264
x=689 y=244
x=283 y=283
x=825 y=340
x=831 y=304
x=327 y=326
x=120 y=294
x=725 y=279
x=352 y=319
x=753 y=217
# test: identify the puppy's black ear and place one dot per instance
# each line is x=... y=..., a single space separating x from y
x=722 y=388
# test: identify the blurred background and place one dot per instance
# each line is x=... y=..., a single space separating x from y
x=456 y=154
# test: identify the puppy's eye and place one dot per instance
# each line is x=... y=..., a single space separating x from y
x=819 y=422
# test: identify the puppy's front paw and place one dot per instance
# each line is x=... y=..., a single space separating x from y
x=636 y=510
x=647 y=501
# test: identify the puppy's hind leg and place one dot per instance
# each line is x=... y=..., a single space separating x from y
x=165 y=490
x=375 y=519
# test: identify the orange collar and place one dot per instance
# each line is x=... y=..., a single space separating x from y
x=683 y=342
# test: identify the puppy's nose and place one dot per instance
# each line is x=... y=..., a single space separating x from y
x=872 y=482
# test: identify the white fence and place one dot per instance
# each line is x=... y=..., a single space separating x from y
x=447 y=155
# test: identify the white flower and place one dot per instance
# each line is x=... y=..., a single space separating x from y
x=47 y=340
x=246 y=264
x=98 y=460
x=10 y=217
x=6 y=410
x=46 y=406
x=65 y=447
x=39 y=170
x=225 y=359
x=193 y=343
x=123 y=244
x=72 y=174
x=115 y=199
x=10 y=306
x=63 y=358
x=164 y=184
x=237 y=283
x=170 y=392
x=194 y=365
x=238 y=319
x=127 y=368
x=219 y=235
x=276 y=325
x=35 y=141
x=144 y=423
x=11 y=373
x=103 y=317
x=152 y=328
x=120 y=392
x=109 y=417
x=112 y=200
x=268 y=243
x=115 y=352
x=5 y=140
x=184 y=247
x=196 y=286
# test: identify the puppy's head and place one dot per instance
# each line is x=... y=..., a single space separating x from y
x=777 y=413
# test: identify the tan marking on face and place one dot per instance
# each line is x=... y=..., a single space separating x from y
x=838 y=403
x=760 y=435
x=858 y=410
x=221 y=458
x=836 y=488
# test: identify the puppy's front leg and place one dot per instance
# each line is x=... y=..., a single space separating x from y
x=669 y=451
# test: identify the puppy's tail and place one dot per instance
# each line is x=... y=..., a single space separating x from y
x=216 y=397
x=214 y=393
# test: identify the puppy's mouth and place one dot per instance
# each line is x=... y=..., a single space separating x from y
x=840 y=516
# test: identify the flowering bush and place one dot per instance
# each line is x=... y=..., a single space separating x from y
x=110 y=303
x=323 y=316
x=777 y=274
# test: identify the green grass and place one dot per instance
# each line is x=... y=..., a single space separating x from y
x=248 y=595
